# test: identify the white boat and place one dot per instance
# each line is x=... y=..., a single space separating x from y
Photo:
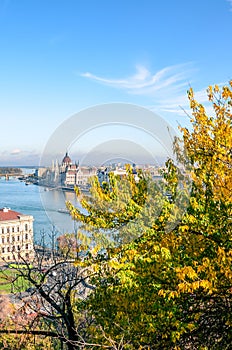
x=64 y=211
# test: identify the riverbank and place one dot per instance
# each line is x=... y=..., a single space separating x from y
x=42 y=205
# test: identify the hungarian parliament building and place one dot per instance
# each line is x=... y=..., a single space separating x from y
x=67 y=175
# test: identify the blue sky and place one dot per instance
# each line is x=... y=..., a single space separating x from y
x=59 y=57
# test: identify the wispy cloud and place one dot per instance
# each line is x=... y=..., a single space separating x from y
x=180 y=104
x=166 y=87
x=144 y=82
x=16 y=151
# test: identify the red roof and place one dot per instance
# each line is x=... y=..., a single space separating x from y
x=7 y=214
x=66 y=159
x=73 y=167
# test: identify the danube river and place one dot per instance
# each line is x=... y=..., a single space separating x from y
x=43 y=205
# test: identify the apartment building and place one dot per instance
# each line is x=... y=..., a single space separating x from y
x=16 y=236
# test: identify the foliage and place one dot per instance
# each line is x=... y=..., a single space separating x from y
x=169 y=288
x=120 y=210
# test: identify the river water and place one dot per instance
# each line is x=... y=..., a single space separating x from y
x=42 y=205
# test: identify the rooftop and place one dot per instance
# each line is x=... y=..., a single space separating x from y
x=8 y=214
x=66 y=159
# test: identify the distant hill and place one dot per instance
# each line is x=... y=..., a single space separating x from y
x=10 y=170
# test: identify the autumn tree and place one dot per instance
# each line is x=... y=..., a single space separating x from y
x=168 y=288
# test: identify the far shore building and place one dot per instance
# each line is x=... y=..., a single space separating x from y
x=16 y=236
x=103 y=173
x=40 y=172
x=68 y=171
x=66 y=175
x=72 y=174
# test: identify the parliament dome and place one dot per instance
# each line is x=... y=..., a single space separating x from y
x=66 y=159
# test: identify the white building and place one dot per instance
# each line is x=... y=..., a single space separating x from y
x=84 y=174
x=40 y=172
x=74 y=174
x=103 y=173
x=16 y=236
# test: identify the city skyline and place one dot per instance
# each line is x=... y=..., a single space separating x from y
x=60 y=58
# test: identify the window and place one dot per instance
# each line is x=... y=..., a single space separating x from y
x=26 y=227
x=2 y=230
x=12 y=229
x=8 y=230
x=3 y=250
x=13 y=239
x=18 y=247
x=8 y=249
x=26 y=246
x=26 y=236
x=18 y=238
x=3 y=240
x=8 y=239
x=18 y=229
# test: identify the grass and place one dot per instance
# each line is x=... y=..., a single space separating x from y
x=6 y=286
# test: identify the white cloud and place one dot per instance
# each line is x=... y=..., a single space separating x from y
x=143 y=82
x=167 y=87
x=16 y=151
x=180 y=104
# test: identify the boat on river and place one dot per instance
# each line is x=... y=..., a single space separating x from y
x=63 y=211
